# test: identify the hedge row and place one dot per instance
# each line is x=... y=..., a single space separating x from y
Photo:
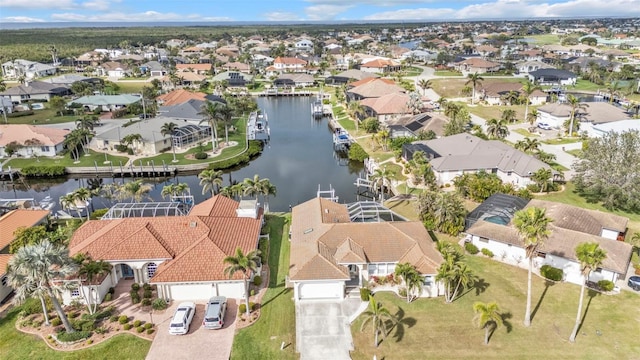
x=255 y=148
x=43 y=171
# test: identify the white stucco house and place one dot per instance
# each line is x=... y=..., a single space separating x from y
x=29 y=140
x=490 y=227
x=334 y=252
x=182 y=255
x=304 y=44
x=452 y=156
x=29 y=69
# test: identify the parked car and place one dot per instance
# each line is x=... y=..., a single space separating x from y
x=544 y=126
x=214 y=314
x=634 y=283
x=182 y=318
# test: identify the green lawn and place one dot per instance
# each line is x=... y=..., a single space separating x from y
x=525 y=132
x=451 y=88
x=586 y=85
x=20 y=346
x=561 y=141
x=277 y=319
x=447 y=73
x=406 y=208
x=45 y=116
x=545 y=39
x=495 y=111
x=431 y=329
x=130 y=87
x=576 y=152
x=94 y=157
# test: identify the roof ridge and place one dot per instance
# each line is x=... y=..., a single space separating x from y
x=160 y=239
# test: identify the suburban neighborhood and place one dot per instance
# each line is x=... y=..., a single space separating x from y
x=158 y=191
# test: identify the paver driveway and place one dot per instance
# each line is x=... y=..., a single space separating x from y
x=199 y=343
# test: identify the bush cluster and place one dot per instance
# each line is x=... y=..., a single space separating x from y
x=606 y=285
x=364 y=294
x=242 y=308
x=257 y=280
x=74 y=336
x=487 y=252
x=137 y=323
x=127 y=326
x=357 y=153
x=159 y=304
x=471 y=249
x=123 y=319
x=201 y=155
x=43 y=171
x=551 y=273
x=255 y=148
x=56 y=321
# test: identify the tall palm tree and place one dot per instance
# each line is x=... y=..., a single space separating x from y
x=85 y=122
x=532 y=225
x=405 y=272
x=474 y=79
x=356 y=111
x=92 y=271
x=23 y=288
x=135 y=190
x=212 y=112
x=497 y=129
x=591 y=257
x=37 y=267
x=532 y=117
x=575 y=105
x=82 y=196
x=131 y=139
x=528 y=88
x=268 y=189
x=226 y=116
x=210 y=180
x=488 y=317
x=508 y=115
x=168 y=129
x=168 y=191
x=68 y=202
x=246 y=264
x=613 y=88
x=541 y=177
x=528 y=145
x=424 y=84
x=253 y=186
x=380 y=178
x=378 y=316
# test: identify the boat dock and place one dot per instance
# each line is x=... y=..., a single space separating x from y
x=8 y=173
x=122 y=170
x=341 y=140
x=285 y=92
x=258 y=126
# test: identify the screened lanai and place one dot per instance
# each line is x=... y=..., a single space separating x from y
x=498 y=209
x=191 y=134
x=371 y=211
x=179 y=206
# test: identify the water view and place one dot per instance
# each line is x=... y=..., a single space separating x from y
x=297 y=160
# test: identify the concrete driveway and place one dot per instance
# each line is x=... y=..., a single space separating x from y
x=323 y=329
x=199 y=343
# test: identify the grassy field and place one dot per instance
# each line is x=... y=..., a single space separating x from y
x=451 y=88
x=277 y=318
x=39 y=117
x=545 y=39
x=525 y=132
x=91 y=160
x=495 y=111
x=447 y=73
x=586 y=85
x=15 y=345
x=431 y=329
x=130 y=87
x=561 y=141
x=405 y=208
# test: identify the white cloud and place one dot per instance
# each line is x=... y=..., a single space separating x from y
x=325 y=12
x=281 y=16
x=146 y=16
x=101 y=5
x=38 y=4
x=384 y=3
x=20 y=19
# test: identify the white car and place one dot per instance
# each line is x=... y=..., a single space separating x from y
x=182 y=318
x=544 y=126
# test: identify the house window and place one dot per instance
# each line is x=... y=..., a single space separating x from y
x=44 y=148
x=381 y=269
x=75 y=293
x=542 y=254
x=509 y=173
x=598 y=270
x=151 y=269
x=4 y=281
x=428 y=280
x=484 y=240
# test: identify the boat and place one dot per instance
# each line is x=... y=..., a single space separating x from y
x=46 y=203
x=79 y=205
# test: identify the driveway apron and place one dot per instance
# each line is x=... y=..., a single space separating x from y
x=323 y=331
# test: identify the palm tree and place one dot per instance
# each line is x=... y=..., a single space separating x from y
x=591 y=257
x=575 y=105
x=92 y=270
x=131 y=139
x=424 y=84
x=379 y=178
x=528 y=145
x=85 y=122
x=212 y=111
x=474 y=79
x=356 y=111
x=382 y=136
x=613 y=88
x=226 y=116
x=68 y=202
x=268 y=189
x=378 y=316
x=528 y=88
x=508 y=115
x=81 y=195
x=136 y=190
x=36 y=267
x=541 y=178
x=532 y=116
x=488 y=317
x=168 y=191
x=246 y=264
x=168 y=129
x=210 y=180
x=408 y=274
x=532 y=225
x=497 y=129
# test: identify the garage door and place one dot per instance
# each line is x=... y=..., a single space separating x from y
x=191 y=292
x=231 y=290
x=319 y=291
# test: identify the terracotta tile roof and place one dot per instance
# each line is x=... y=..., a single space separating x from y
x=376 y=88
x=180 y=96
x=380 y=63
x=289 y=61
x=193 y=246
x=370 y=79
x=478 y=63
x=21 y=133
x=322 y=239
x=16 y=219
x=195 y=67
x=4 y=262
x=394 y=103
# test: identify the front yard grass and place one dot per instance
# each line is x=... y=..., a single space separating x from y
x=451 y=88
x=431 y=329
x=16 y=345
x=277 y=322
x=488 y=112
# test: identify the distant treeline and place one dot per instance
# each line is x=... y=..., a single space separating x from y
x=35 y=44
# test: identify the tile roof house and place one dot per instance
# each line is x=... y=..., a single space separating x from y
x=32 y=140
x=289 y=64
x=476 y=65
x=373 y=88
x=9 y=223
x=455 y=155
x=494 y=93
x=182 y=255
x=381 y=66
x=29 y=69
x=179 y=96
x=113 y=69
x=330 y=253
x=105 y=102
x=570 y=226
x=201 y=69
x=387 y=107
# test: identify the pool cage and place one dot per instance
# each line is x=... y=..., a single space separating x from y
x=371 y=211
x=178 y=206
x=498 y=209
x=187 y=135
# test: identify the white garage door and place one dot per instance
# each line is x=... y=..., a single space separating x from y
x=319 y=291
x=191 y=292
x=231 y=290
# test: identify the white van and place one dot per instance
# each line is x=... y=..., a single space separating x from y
x=182 y=318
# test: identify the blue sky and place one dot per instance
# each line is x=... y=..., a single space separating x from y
x=28 y=11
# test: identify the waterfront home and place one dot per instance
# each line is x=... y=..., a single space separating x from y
x=29 y=69
x=294 y=80
x=35 y=90
x=476 y=65
x=179 y=96
x=372 y=88
x=497 y=93
x=413 y=125
x=288 y=64
x=334 y=250
x=490 y=226
x=233 y=78
x=556 y=114
x=28 y=140
x=200 y=69
x=105 y=102
x=380 y=66
x=152 y=142
x=182 y=255
x=347 y=76
x=553 y=77
x=387 y=107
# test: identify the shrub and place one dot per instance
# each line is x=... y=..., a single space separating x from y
x=606 y=285
x=127 y=326
x=146 y=286
x=135 y=286
x=150 y=331
x=255 y=148
x=243 y=307
x=146 y=302
x=364 y=294
x=121 y=148
x=551 y=273
x=487 y=252
x=74 y=336
x=43 y=171
x=108 y=297
x=357 y=153
x=101 y=330
x=123 y=319
x=257 y=280
x=147 y=294
x=112 y=290
x=16 y=114
x=33 y=306
x=56 y=322
x=148 y=325
x=402 y=292
x=89 y=342
x=201 y=155
x=471 y=249
x=139 y=329
x=159 y=304
x=98 y=214
x=137 y=323
x=113 y=318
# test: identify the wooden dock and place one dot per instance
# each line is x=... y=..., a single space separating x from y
x=285 y=93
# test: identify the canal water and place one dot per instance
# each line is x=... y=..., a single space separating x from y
x=298 y=158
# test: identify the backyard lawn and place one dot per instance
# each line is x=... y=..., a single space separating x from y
x=91 y=160
x=20 y=346
x=488 y=112
x=277 y=315
x=431 y=329
x=39 y=117
x=451 y=88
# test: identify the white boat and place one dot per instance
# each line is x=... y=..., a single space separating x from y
x=46 y=203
